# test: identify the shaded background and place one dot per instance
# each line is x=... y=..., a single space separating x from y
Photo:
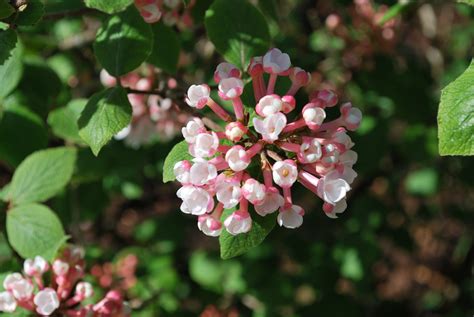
x=404 y=247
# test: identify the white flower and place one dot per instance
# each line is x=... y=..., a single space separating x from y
x=228 y=191
x=8 y=303
x=46 y=301
x=276 y=62
x=340 y=136
x=202 y=172
x=348 y=158
x=196 y=201
x=106 y=79
x=291 y=218
x=84 y=290
x=310 y=151
x=205 y=145
x=230 y=88
x=269 y=105
x=253 y=191
x=36 y=266
x=122 y=134
x=313 y=116
x=332 y=210
x=332 y=188
x=21 y=288
x=272 y=201
x=271 y=127
x=352 y=116
x=237 y=158
x=348 y=174
x=198 y=95
x=194 y=127
x=234 y=131
x=209 y=226
x=181 y=171
x=285 y=173
x=238 y=222
x=226 y=70
x=60 y=268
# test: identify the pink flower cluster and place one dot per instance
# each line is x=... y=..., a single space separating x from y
x=57 y=289
x=315 y=153
x=171 y=11
x=154 y=118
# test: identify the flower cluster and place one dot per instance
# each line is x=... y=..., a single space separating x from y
x=57 y=288
x=154 y=118
x=315 y=153
x=173 y=12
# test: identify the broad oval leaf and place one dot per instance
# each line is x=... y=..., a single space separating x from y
x=178 y=153
x=108 y=6
x=5 y=9
x=166 y=48
x=11 y=70
x=63 y=121
x=42 y=175
x=232 y=246
x=106 y=113
x=238 y=30
x=456 y=116
x=34 y=229
x=8 y=40
x=123 y=42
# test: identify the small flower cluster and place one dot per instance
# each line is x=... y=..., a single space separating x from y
x=316 y=154
x=154 y=118
x=173 y=12
x=57 y=289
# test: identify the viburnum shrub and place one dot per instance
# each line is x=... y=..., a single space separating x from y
x=257 y=161
x=57 y=289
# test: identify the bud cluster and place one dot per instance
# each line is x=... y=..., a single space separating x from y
x=256 y=162
x=172 y=12
x=56 y=288
x=153 y=117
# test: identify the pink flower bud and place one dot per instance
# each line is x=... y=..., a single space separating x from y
x=288 y=104
x=313 y=116
x=205 y=145
x=226 y=70
x=237 y=158
x=352 y=116
x=36 y=266
x=150 y=10
x=256 y=66
x=84 y=290
x=238 y=222
x=268 y=105
x=194 y=127
x=272 y=201
x=209 y=226
x=332 y=188
x=196 y=201
x=310 y=151
x=181 y=171
x=234 y=131
x=202 y=172
x=270 y=127
x=340 y=136
x=21 y=288
x=198 y=95
x=328 y=97
x=8 y=303
x=46 y=301
x=276 y=62
x=60 y=268
x=230 y=88
x=299 y=76
x=106 y=79
x=253 y=191
x=228 y=191
x=285 y=173
x=290 y=217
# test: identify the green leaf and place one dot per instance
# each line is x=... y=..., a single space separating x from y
x=109 y=6
x=123 y=42
x=34 y=229
x=14 y=146
x=232 y=246
x=106 y=113
x=61 y=6
x=393 y=12
x=42 y=175
x=178 y=153
x=456 y=116
x=5 y=9
x=11 y=70
x=32 y=14
x=166 y=48
x=470 y=2
x=63 y=120
x=422 y=182
x=238 y=30
x=8 y=40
